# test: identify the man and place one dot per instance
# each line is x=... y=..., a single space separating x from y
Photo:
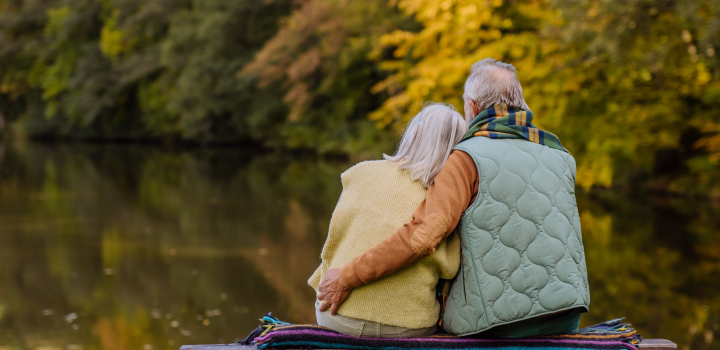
x=508 y=188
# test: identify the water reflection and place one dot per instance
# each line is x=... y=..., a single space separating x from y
x=129 y=247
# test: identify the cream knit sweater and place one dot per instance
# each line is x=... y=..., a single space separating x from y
x=377 y=199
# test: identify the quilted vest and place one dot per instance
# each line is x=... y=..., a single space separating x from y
x=522 y=251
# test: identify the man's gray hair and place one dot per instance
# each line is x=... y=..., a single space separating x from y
x=494 y=82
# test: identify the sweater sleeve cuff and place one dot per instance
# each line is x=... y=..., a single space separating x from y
x=349 y=276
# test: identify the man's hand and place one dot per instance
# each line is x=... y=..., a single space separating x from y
x=332 y=291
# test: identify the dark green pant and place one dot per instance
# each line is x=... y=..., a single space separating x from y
x=562 y=323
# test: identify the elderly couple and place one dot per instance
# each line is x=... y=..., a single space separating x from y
x=487 y=202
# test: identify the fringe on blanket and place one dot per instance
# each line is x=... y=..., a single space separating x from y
x=268 y=323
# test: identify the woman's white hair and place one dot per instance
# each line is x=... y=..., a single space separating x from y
x=493 y=82
x=428 y=140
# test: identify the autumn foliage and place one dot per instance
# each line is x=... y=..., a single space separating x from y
x=632 y=88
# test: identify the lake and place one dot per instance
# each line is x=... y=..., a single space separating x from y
x=137 y=247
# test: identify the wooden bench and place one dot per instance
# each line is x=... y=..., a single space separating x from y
x=647 y=344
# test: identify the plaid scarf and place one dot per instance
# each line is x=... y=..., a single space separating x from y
x=503 y=122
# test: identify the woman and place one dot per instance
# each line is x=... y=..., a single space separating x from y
x=377 y=198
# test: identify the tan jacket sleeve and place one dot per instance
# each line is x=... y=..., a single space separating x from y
x=455 y=188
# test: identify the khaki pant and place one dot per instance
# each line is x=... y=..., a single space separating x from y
x=366 y=329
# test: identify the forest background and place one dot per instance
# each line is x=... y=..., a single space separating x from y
x=632 y=87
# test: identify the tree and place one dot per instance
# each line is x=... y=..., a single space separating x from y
x=324 y=56
x=133 y=69
x=620 y=83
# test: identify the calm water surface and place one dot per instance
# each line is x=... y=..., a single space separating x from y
x=129 y=247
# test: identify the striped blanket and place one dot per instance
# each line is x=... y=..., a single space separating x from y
x=273 y=333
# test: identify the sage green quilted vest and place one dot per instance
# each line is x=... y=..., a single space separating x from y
x=522 y=251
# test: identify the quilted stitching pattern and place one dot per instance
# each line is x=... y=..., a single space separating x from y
x=521 y=241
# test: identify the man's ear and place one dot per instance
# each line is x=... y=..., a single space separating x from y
x=475 y=108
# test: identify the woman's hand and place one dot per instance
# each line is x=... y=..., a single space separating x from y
x=332 y=291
